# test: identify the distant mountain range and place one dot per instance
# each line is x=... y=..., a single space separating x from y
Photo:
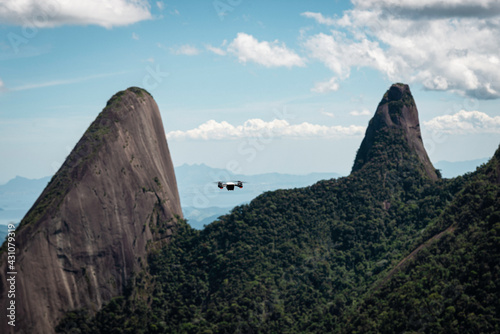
x=457 y=168
x=202 y=202
x=17 y=196
x=21 y=192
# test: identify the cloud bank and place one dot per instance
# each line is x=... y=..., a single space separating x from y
x=52 y=13
x=464 y=122
x=257 y=128
x=434 y=9
x=450 y=46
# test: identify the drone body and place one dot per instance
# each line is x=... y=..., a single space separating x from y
x=230 y=185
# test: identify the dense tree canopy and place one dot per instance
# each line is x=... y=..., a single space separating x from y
x=383 y=250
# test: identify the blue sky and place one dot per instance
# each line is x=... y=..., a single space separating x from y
x=252 y=86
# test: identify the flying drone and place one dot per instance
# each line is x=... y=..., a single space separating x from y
x=230 y=185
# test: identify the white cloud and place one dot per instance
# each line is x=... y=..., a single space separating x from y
x=319 y=18
x=326 y=113
x=449 y=45
x=257 y=128
x=2 y=85
x=186 y=49
x=339 y=53
x=52 y=13
x=160 y=5
x=364 y=112
x=135 y=36
x=325 y=87
x=216 y=50
x=248 y=49
x=464 y=122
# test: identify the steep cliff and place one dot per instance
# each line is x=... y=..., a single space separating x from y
x=114 y=197
x=393 y=135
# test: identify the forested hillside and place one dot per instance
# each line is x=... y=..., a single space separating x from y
x=390 y=248
x=452 y=284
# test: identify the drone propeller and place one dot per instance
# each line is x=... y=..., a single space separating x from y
x=239 y=183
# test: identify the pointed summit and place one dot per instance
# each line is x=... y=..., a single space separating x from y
x=393 y=135
x=90 y=230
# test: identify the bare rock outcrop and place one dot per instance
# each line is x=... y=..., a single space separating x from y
x=113 y=199
x=393 y=134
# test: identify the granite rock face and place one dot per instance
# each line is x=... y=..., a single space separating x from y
x=114 y=198
x=397 y=117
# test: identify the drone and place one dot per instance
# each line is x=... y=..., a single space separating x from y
x=230 y=184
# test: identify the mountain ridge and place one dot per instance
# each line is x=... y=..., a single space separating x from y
x=193 y=179
x=302 y=260
x=449 y=169
x=389 y=248
x=450 y=282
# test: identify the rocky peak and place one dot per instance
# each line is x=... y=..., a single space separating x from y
x=393 y=135
x=90 y=230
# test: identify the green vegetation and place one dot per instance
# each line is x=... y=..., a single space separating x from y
x=452 y=285
x=115 y=98
x=325 y=258
x=139 y=91
x=157 y=181
x=395 y=110
x=384 y=250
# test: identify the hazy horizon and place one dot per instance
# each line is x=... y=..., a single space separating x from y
x=4 y=181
